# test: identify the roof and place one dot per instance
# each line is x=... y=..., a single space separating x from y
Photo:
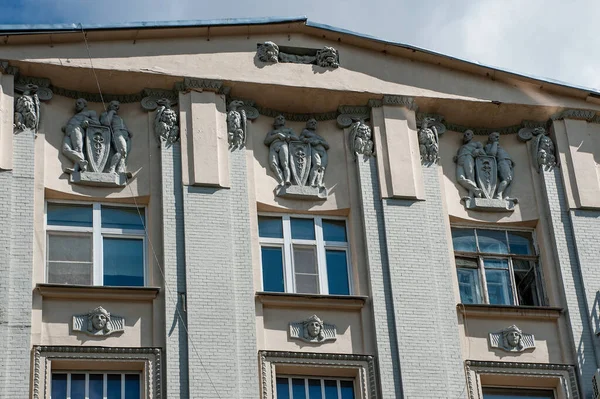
x=29 y=29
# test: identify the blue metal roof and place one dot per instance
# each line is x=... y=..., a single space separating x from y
x=76 y=27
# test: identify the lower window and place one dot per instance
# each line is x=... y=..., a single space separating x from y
x=314 y=388
x=505 y=393
x=78 y=385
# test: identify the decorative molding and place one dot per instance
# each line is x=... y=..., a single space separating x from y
x=565 y=373
x=349 y=114
x=510 y=311
x=314 y=301
x=363 y=364
x=312 y=330
x=511 y=339
x=578 y=114
x=151 y=358
x=5 y=67
x=98 y=322
x=403 y=101
x=81 y=292
x=202 y=84
x=319 y=117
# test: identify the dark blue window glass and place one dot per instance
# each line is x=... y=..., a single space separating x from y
x=96 y=386
x=303 y=229
x=77 y=386
x=270 y=227
x=283 y=388
x=337 y=272
x=123 y=262
x=331 y=391
x=464 y=240
x=298 y=388
x=132 y=386
x=497 y=393
x=272 y=266
x=314 y=389
x=347 y=388
x=123 y=218
x=492 y=241
x=334 y=230
x=113 y=386
x=69 y=215
x=59 y=386
x=520 y=243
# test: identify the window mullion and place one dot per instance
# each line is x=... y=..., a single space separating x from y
x=290 y=390
x=321 y=258
x=123 y=386
x=339 y=389
x=87 y=386
x=288 y=269
x=484 y=289
x=97 y=246
x=105 y=386
x=513 y=282
x=68 y=385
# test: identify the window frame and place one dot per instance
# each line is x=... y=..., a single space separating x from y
x=518 y=390
x=480 y=256
x=321 y=379
x=104 y=381
x=286 y=243
x=98 y=233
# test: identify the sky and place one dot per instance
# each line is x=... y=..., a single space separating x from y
x=553 y=39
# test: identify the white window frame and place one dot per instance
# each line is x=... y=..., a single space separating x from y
x=319 y=243
x=509 y=257
x=105 y=380
x=98 y=233
x=320 y=378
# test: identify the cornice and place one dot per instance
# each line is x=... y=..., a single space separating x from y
x=403 y=101
x=80 y=292
x=577 y=114
x=482 y=131
x=202 y=84
x=323 y=116
x=525 y=312
x=286 y=300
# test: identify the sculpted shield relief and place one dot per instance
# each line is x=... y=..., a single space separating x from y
x=300 y=155
x=98 y=146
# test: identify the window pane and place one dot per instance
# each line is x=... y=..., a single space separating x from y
x=69 y=215
x=270 y=227
x=59 y=386
x=272 y=267
x=331 y=391
x=464 y=240
x=283 y=388
x=526 y=283
x=77 y=386
x=337 y=272
x=298 y=389
x=334 y=230
x=314 y=389
x=113 y=386
x=62 y=247
x=303 y=229
x=305 y=260
x=347 y=389
x=123 y=262
x=96 y=386
x=496 y=263
x=468 y=285
x=502 y=393
x=492 y=241
x=69 y=273
x=307 y=284
x=520 y=243
x=123 y=218
x=132 y=386
x=498 y=285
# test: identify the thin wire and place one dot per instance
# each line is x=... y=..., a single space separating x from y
x=160 y=268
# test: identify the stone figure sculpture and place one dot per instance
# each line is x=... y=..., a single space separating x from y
x=478 y=170
x=27 y=109
x=236 y=124
x=326 y=57
x=299 y=163
x=360 y=138
x=166 y=122
x=511 y=339
x=90 y=141
x=98 y=322
x=429 y=141
x=313 y=330
x=543 y=151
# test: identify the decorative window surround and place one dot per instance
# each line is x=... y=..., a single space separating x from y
x=362 y=367
x=564 y=374
x=313 y=301
x=149 y=360
x=86 y=292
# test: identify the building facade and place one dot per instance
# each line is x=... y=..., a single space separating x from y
x=279 y=209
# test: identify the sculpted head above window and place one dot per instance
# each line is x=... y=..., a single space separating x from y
x=313 y=329
x=99 y=320
x=512 y=338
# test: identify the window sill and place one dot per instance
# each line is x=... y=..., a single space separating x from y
x=528 y=312
x=63 y=291
x=288 y=300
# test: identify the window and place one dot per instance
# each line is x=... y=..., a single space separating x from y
x=94 y=244
x=498 y=267
x=314 y=388
x=304 y=255
x=503 y=393
x=94 y=385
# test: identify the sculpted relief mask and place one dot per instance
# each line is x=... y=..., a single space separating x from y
x=511 y=339
x=486 y=172
x=98 y=322
x=313 y=330
x=543 y=153
x=269 y=52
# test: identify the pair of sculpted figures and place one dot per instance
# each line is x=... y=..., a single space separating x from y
x=89 y=140
x=486 y=172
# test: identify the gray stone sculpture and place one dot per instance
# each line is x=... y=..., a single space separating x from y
x=512 y=339
x=313 y=330
x=87 y=143
x=98 y=322
x=166 y=126
x=238 y=114
x=486 y=173
x=429 y=140
x=360 y=138
x=543 y=152
x=299 y=163
x=326 y=57
x=27 y=109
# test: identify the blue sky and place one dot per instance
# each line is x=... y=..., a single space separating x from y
x=555 y=39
